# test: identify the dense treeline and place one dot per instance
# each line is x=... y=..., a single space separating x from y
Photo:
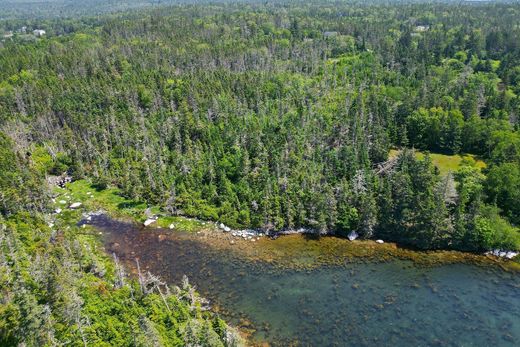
x=282 y=115
x=13 y=10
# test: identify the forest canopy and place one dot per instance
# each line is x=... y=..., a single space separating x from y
x=282 y=115
x=396 y=120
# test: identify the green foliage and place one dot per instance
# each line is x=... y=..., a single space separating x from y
x=145 y=96
x=42 y=160
x=414 y=210
x=436 y=129
x=482 y=235
x=262 y=118
x=68 y=291
x=267 y=116
x=20 y=187
x=503 y=188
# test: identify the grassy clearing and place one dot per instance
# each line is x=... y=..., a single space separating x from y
x=445 y=163
x=115 y=204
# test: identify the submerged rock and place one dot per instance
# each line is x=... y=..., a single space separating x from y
x=353 y=235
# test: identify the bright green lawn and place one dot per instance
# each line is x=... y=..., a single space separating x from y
x=445 y=163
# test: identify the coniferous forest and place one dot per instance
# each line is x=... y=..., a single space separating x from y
x=323 y=115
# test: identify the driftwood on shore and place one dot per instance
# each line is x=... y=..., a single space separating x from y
x=386 y=166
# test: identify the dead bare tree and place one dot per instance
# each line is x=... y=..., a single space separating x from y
x=119 y=272
x=149 y=283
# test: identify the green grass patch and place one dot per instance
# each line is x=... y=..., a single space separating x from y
x=445 y=163
x=112 y=201
x=109 y=199
x=183 y=224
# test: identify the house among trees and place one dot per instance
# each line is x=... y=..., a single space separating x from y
x=39 y=32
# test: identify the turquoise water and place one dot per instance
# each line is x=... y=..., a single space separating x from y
x=355 y=304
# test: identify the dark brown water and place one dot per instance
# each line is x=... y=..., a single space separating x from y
x=362 y=303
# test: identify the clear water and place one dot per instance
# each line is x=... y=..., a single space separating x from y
x=355 y=304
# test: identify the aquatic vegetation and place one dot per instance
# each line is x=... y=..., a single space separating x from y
x=299 y=290
x=305 y=251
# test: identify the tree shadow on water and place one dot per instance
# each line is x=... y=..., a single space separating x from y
x=311 y=236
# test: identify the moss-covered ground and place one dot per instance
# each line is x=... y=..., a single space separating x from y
x=115 y=204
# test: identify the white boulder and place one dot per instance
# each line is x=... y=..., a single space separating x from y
x=149 y=221
x=380 y=241
x=75 y=205
x=503 y=254
x=353 y=235
x=172 y=226
x=224 y=227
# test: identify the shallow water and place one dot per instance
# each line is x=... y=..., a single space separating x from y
x=358 y=303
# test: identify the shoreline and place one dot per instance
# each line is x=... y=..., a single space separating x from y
x=119 y=208
x=214 y=230
x=302 y=251
x=297 y=253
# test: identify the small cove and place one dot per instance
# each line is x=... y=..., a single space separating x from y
x=310 y=300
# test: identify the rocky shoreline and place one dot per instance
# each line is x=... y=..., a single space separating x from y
x=255 y=235
x=272 y=247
